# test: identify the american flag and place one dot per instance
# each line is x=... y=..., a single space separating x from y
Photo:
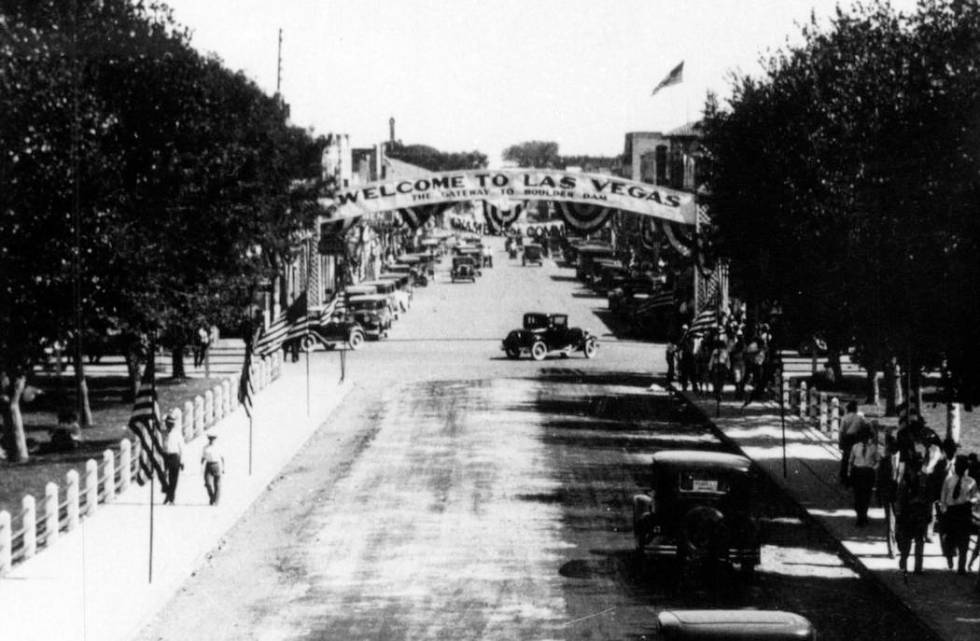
x=703 y=322
x=271 y=340
x=327 y=312
x=145 y=423
x=246 y=390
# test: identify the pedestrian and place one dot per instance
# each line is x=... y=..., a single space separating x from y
x=487 y=253
x=718 y=364
x=203 y=339
x=913 y=513
x=889 y=471
x=736 y=354
x=173 y=453
x=851 y=425
x=671 y=353
x=959 y=493
x=213 y=462
x=862 y=466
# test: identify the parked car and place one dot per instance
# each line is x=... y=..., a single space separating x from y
x=544 y=334
x=607 y=274
x=532 y=254
x=734 y=625
x=643 y=284
x=464 y=268
x=340 y=329
x=698 y=508
x=389 y=290
x=403 y=287
x=587 y=254
x=372 y=313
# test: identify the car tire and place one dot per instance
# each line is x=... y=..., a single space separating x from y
x=308 y=344
x=641 y=521
x=356 y=340
x=513 y=353
x=538 y=351
x=590 y=349
x=702 y=532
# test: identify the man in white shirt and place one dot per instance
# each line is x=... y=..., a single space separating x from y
x=851 y=425
x=956 y=500
x=214 y=466
x=173 y=452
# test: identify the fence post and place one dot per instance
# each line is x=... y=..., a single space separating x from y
x=50 y=513
x=198 y=415
x=188 y=421
x=208 y=408
x=835 y=415
x=29 y=519
x=953 y=422
x=822 y=411
x=109 y=463
x=91 y=487
x=219 y=405
x=802 y=407
x=6 y=540
x=71 y=493
x=784 y=386
x=814 y=403
x=126 y=463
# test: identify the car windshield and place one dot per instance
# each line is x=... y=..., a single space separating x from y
x=362 y=305
x=559 y=321
x=535 y=321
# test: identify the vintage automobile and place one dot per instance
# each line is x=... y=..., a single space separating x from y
x=734 y=625
x=359 y=290
x=698 y=509
x=372 y=313
x=587 y=254
x=340 y=329
x=544 y=334
x=643 y=284
x=464 y=268
x=532 y=254
x=388 y=289
x=607 y=274
x=403 y=287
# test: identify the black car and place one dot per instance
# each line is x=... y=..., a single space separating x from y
x=698 y=508
x=464 y=268
x=532 y=255
x=340 y=329
x=549 y=333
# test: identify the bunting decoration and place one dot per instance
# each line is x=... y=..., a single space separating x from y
x=145 y=423
x=648 y=233
x=583 y=218
x=500 y=217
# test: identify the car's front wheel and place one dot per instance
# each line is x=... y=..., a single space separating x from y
x=591 y=348
x=513 y=353
x=538 y=351
x=356 y=339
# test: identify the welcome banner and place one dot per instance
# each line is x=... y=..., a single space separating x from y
x=513 y=184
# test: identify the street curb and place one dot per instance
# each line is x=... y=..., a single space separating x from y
x=849 y=558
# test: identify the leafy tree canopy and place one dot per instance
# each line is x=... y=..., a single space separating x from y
x=435 y=160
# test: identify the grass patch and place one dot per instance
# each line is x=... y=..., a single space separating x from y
x=110 y=413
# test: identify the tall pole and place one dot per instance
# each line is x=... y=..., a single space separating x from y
x=76 y=134
x=279 y=65
x=152 y=426
x=250 y=444
x=307 y=381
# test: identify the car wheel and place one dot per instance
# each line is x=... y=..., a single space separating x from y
x=590 y=349
x=702 y=532
x=513 y=353
x=356 y=339
x=538 y=351
x=308 y=344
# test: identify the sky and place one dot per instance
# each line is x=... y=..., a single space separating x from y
x=463 y=75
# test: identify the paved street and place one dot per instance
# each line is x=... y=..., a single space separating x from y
x=456 y=494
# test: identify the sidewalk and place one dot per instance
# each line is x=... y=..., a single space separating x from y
x=92 y=584
x=944 y=602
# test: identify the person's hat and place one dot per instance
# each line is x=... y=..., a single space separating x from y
x=170 y=420
x=211 y=437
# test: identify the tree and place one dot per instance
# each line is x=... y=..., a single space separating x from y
x=434 y=160
x=534 y=153
x=841 y=183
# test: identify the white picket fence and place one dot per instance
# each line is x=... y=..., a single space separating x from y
x=23 y=534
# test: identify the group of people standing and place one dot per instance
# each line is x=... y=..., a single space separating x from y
x=922 y=483
x=729 y=351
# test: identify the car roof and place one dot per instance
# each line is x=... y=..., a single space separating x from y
x=368 y=298
x=375 y=282
x=362 y=287
x=734 y=624
x=702 y=459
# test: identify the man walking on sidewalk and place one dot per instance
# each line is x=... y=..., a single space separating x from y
x=173 y=452
x=851 y=425
x=913 y=512
x=214 y=466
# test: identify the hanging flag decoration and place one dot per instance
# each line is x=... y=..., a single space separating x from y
x=246 y=389
x=583 y=218
x=501 y=217
x=416 y=217
x=271 y=338
x=674 y=77
x=648 y=233
x=145 y=423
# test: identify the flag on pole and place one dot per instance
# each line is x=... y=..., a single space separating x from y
x=675 y=77
x=145 y=423
x=246 y=390
x=703 y=322
x=271 y=339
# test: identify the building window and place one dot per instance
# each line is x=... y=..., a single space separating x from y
x=660 y=162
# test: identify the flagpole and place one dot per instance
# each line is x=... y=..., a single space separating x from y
x=250 y=444
x=307 y=381
x=153 y=392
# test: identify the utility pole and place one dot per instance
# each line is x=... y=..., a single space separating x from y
x=279 y=67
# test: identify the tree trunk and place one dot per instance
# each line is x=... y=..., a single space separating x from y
x=893 y=388
x=13 y=420
x=874 y=392
x=833 y=357
x=85 y=420
x=133 y=372
x=177 y=360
